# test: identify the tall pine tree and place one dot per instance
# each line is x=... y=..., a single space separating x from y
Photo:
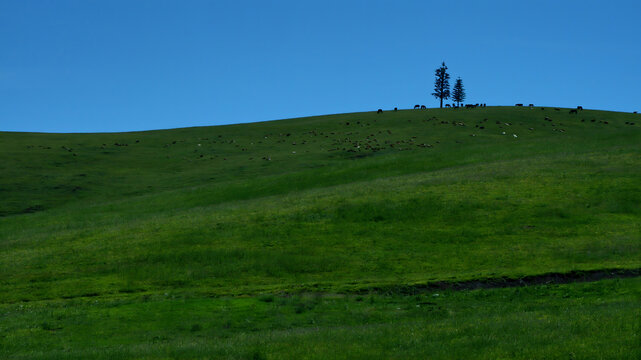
x=458 y=92
x=442 y=84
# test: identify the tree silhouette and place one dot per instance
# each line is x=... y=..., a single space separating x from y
x=458 y=92
x=442 y=84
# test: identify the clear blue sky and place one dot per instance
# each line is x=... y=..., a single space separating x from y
x=94 y=66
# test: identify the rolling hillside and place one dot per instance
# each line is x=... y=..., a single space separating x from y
x=290 y=238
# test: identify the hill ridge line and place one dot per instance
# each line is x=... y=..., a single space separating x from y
x=303 y=117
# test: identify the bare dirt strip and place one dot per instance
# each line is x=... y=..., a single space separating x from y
x=414 y=289
x=505 y=282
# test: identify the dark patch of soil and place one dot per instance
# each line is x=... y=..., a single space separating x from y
x=32 y=209
x=504 y=282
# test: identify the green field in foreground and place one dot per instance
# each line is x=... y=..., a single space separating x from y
x=573 y=321
x=108 y=237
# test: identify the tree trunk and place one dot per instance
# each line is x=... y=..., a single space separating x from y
x=441 y=102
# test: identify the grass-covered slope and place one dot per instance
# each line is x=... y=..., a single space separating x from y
x=326 y=205
x=333 y=202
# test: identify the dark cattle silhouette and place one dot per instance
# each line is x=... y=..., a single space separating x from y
x=417 y=106
x=379 y=111
x=395 y=109
x=518 y=105
x=423 y=107
x=573 y=111
x=634 y=112
x=531 y=105
x=579 y=107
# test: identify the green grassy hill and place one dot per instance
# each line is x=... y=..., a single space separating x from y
x=290 y=238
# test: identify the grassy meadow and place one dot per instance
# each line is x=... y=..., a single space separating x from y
x=293 y=238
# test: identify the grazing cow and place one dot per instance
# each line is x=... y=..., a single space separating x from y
x=379 y=111
x=395 y=109
x=416 y=106
x=531 y=105
x=573 y=111
x=579 y=107
x=634 y=112
x=423 y=107
x=518 y=105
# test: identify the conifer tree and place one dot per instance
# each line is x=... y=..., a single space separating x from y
x=458 y=92
x=442 y=84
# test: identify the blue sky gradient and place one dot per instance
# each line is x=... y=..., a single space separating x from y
x=96 y=66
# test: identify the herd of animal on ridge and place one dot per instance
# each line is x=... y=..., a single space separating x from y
x=350 y=141
x=471 y=106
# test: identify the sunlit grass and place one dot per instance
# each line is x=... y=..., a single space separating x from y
x=148 y=236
